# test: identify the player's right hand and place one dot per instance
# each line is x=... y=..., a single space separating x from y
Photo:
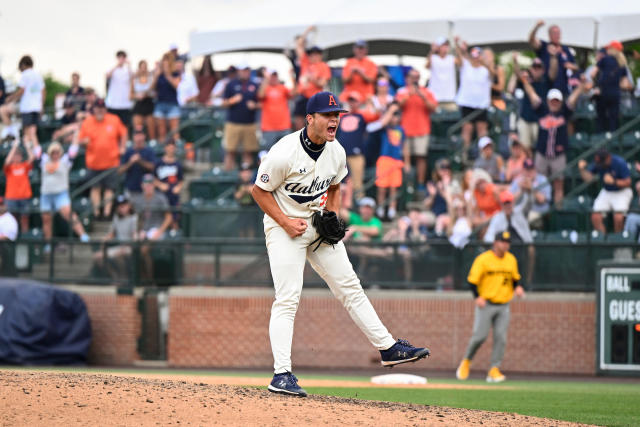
x=481 y=302
x=295 y=227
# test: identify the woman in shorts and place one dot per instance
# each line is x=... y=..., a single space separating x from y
x=54 y=190
x=166 y=111
x=142 y=93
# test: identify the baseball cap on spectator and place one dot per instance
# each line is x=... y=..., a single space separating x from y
x=243 y=66
x=122 y=198
x=271 y=71
x=484 y=141
x=173 y=46
x=99 y=103
x=367 y=201
x=324 y=102
x=147 y=178
x=360 y=43
x=139 y=130
x=314 y=49
x=528 y=164
x=537 y=62
x=506 y=197
x=480 y=175
x=554 y=94
x=245 y=166
x=615 y=44
x=503 y=236
x=442 y=40
x=443 y=163
x=67 y=103
x=475 y=52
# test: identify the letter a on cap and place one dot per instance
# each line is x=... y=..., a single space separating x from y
x=332 y=101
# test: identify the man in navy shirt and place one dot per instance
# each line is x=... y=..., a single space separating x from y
x=528 y=120
x=351 y=134
x=553 y=137
x=241 y=101
x=615 y=195
x=136 y=162
x=557 y=58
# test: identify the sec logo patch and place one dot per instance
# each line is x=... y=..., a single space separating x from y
x=264 y=178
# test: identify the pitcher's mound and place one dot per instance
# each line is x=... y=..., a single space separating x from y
x=62 y=399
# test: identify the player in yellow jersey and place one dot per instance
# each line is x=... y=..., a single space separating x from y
x=493 y=280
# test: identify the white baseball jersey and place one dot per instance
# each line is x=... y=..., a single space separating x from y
x=298 y=182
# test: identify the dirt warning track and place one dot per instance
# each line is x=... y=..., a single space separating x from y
x=37 y=398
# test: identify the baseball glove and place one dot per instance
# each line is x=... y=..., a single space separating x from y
x=330 y=228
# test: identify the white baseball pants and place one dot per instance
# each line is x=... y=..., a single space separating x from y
x=287 y=258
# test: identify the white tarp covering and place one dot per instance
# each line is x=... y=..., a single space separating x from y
x=340 y=22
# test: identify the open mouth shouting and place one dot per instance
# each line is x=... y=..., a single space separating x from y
x=331 y=132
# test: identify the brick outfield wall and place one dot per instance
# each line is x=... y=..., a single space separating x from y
x=549 y=333
x=115 y=325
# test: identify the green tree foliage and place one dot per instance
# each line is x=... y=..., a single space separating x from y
x=53 y=88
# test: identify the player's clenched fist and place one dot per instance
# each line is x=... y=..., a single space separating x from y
x=295 y=227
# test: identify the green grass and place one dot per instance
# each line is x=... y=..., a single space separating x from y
x=585 y=402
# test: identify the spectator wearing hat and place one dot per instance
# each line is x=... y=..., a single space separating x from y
x=154 y=219
x=314 y=75
x=514 y=222
x=442 y=81
x=118 y=99
x=417 y=103
x=363 y=225
x=18 y=187
x=166 y=113
x=241 y=101
x=352 y=136
x=137 y=161
x=105 y=138
x=556 y=57
x=170 y=179
x=610 y=76
x=553 y=137
x=359 y=73
x=485 y=202
x=275 y=118
x=474 y=93
x=394 y=156
x=527 y=124
x=489 y=160
x=54 y=190
x=124 y=228
x=615 y=195
x=30 y=98
x=532 y=193
x=69 y=123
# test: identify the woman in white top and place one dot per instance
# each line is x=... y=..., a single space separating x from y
x=142 y=93
x=442 y=81
x=474 y=93
x=54 y=190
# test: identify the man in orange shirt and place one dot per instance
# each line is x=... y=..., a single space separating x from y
x=416 y=104
x=359 y=74
x=276 y=119
x=105 y=137
x=314 y=76
x=18 y=188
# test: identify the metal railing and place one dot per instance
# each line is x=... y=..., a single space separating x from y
x=436 y=264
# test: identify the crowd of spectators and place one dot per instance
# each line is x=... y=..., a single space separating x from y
x=387 y=129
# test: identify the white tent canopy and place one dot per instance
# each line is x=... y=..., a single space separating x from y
x=406 y=27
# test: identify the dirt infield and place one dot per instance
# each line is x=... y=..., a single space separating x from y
x=37 y=398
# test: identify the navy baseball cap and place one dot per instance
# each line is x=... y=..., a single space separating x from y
x=503 y=236
x=324 y=102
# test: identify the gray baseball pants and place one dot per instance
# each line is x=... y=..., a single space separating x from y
x=496 y=315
